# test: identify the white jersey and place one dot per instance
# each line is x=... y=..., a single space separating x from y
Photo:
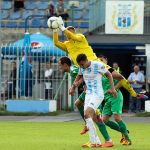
x=93 y=78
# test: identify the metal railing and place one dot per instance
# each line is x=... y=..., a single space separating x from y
x=32 y=76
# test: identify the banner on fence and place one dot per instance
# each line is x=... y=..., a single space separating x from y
x=124 y=17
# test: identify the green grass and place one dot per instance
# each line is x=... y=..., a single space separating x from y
x=63 y=136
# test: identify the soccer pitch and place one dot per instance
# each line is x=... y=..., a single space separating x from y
x=63 y=136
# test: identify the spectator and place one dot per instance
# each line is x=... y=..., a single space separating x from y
x=148 y=82
x=136 y=79
x=116 y=67
x=11 y=83
x=61 y=11
x=48 y=81
x=51 y=10
x=18 y=4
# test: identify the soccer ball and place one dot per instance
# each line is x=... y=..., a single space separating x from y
x=52 y=23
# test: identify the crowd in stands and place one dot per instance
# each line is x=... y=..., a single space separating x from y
x=14 y=13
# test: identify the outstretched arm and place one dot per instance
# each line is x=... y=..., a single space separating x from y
x=59 y=44
x=70 y=35
x=73 y=36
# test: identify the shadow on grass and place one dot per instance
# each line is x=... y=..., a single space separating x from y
x=143 y=114
x=56 y=113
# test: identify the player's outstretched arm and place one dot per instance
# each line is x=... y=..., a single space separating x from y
x=73 y=36
x=109 y=76
x=59 y=44
x=69 y=34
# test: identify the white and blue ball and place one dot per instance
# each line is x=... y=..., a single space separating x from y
x=53 y=23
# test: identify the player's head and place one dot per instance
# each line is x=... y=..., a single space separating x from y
x=136 y=68
x=64 y=64
x=71 y=29
x=82 y=61
x=47 y=65
x=115 y=65
x=103 y=58
x=13 y=65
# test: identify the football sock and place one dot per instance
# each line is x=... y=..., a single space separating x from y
x=92 y=131
x=113 y=125
x=123 y=129
x=102 y=129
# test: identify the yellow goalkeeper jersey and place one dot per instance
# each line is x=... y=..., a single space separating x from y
x=77 y=44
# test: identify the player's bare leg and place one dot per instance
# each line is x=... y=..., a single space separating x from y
x=80 y=105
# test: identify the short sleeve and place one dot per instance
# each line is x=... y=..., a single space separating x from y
x=143 y=78
x=101 y=68
x=80 y=72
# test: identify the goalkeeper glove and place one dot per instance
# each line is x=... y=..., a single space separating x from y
x=61 y=24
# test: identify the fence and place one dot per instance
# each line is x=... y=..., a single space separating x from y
x=33 y=75
x=97 y=16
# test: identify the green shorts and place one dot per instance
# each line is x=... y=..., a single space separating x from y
x=113 y=105
x=82 y=97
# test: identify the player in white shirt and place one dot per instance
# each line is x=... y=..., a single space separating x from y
x=92 y=72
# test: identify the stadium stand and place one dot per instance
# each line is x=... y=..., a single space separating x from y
x=86 y=15
x=26 y=14
x=42 y=5
x=15 y=15
x=21 y=24
x=36 y=23
x=75 y=24
x=6 y=5
x=30 y=5
x=11 y=24
x=40 y=12
x=84 y=24
x=4 y=14
x=77 y=15
x=13 y=19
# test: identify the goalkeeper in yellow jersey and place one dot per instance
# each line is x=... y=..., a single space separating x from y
x=77 y=44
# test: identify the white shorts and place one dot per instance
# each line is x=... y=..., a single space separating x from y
x=92 y=101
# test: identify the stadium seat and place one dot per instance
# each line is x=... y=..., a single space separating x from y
x=15 y=15
x=2 y=24
x=30 y=5
x=44 y=24
x=36 y=23
x=11 y=24
x=3 y=14
x=77 y=15
x=21 y=24
x=6 y=5
x=84 y=25
x=75 y=24
x=40 y=12
x=81 y=6
x=85 y=15
x=26 y=14
x=42 y=5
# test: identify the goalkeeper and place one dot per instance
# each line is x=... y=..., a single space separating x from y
x=77 y=44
